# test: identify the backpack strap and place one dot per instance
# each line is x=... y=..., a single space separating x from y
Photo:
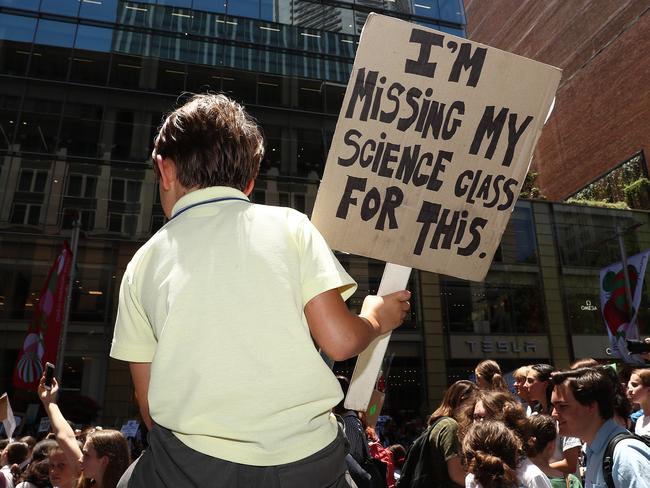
x=608 y=456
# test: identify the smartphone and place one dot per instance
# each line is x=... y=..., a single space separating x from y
x=49 y=375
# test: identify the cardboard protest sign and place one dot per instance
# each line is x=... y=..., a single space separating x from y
x=431 y=148
x=7 y=416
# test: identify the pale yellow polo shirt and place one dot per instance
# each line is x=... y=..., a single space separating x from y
x=214 y=300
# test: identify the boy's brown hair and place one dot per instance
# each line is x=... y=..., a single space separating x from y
x=212 y=141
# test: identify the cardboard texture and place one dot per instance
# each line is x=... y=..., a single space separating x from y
x=7 y=416
x=374 y=408
x=431 y=148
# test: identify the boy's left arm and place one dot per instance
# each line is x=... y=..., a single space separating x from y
x=140 y=374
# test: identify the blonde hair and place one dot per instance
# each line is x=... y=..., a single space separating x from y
x=521 y=372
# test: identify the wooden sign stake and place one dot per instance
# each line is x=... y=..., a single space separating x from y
x=366 y=370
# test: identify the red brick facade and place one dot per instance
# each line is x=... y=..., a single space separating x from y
x=602 y=110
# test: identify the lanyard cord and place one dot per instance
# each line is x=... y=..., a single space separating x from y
x=213 y=200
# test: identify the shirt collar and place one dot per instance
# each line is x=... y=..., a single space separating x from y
x=602 y=436
x=203 y=194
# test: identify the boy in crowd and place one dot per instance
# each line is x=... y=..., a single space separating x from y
x=583 y=405
x=218 y=315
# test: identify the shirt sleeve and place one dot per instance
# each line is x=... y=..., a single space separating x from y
x=570 y=443
x=631 y=462
x=445 y=437
x=133 y=338
x=320 y=271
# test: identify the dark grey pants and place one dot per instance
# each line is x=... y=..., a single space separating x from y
x=168 y=463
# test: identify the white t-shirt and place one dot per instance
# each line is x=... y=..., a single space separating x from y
x=642 y=426
x=6 y=472
x=563 y=444
x=529 y=475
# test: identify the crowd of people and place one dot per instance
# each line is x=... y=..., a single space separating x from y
x=550 y=431
x=219 y=314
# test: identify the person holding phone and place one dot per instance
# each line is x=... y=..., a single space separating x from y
x=104 y=456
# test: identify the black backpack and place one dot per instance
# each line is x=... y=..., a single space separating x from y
x=417 y=471
x=608 y=457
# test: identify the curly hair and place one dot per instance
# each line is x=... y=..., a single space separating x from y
x=212 y=141
x=492 y=453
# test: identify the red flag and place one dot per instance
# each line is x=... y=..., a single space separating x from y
x=42 y=342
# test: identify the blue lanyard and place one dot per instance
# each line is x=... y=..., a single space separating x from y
x=213 y=200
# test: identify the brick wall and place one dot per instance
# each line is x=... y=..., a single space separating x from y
x=602 y=111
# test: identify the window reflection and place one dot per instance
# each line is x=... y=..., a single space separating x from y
x=93 y=38
x=244 y=8
x=518 y=243
x=586 y=235
x=53 y=33
x=61 y=7
x=89 y=67
x=98 y=10
x=22 y=4
x=452 y=11
x=218 y=6
x=38 y=126
x=89 y=292
x=426 y=8
x=81 y=128
x=17 y=28
x=126 y=71
x=14 y=57
x=511 y=304
x=8 y=119
x=49 y=63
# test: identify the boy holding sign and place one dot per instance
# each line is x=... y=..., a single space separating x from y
x=217 y=313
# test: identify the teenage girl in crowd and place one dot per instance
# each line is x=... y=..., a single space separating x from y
x=638 y=391
x=540 y=447
x=520 y=381
x=540 y=387
x=491 y=453
x=105 y=453
x=443 y=438
x=502 y=407
x=489 y=376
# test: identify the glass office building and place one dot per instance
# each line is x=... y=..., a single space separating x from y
x=84 y=84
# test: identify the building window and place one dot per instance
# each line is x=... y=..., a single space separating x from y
x=586 y=236
x=32 y=181
x=123 y=223
x=87 y=218
x=25 y=214
x=125 y=190
x=519 y=243
x=507 y=307
x=81 y=186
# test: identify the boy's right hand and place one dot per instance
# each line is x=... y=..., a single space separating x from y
x=388 y=312
x=47 y=396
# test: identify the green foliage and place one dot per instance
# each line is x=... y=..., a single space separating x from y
x=599 y=203
x=530 y=188
x=610 y=187
x=637 y=194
